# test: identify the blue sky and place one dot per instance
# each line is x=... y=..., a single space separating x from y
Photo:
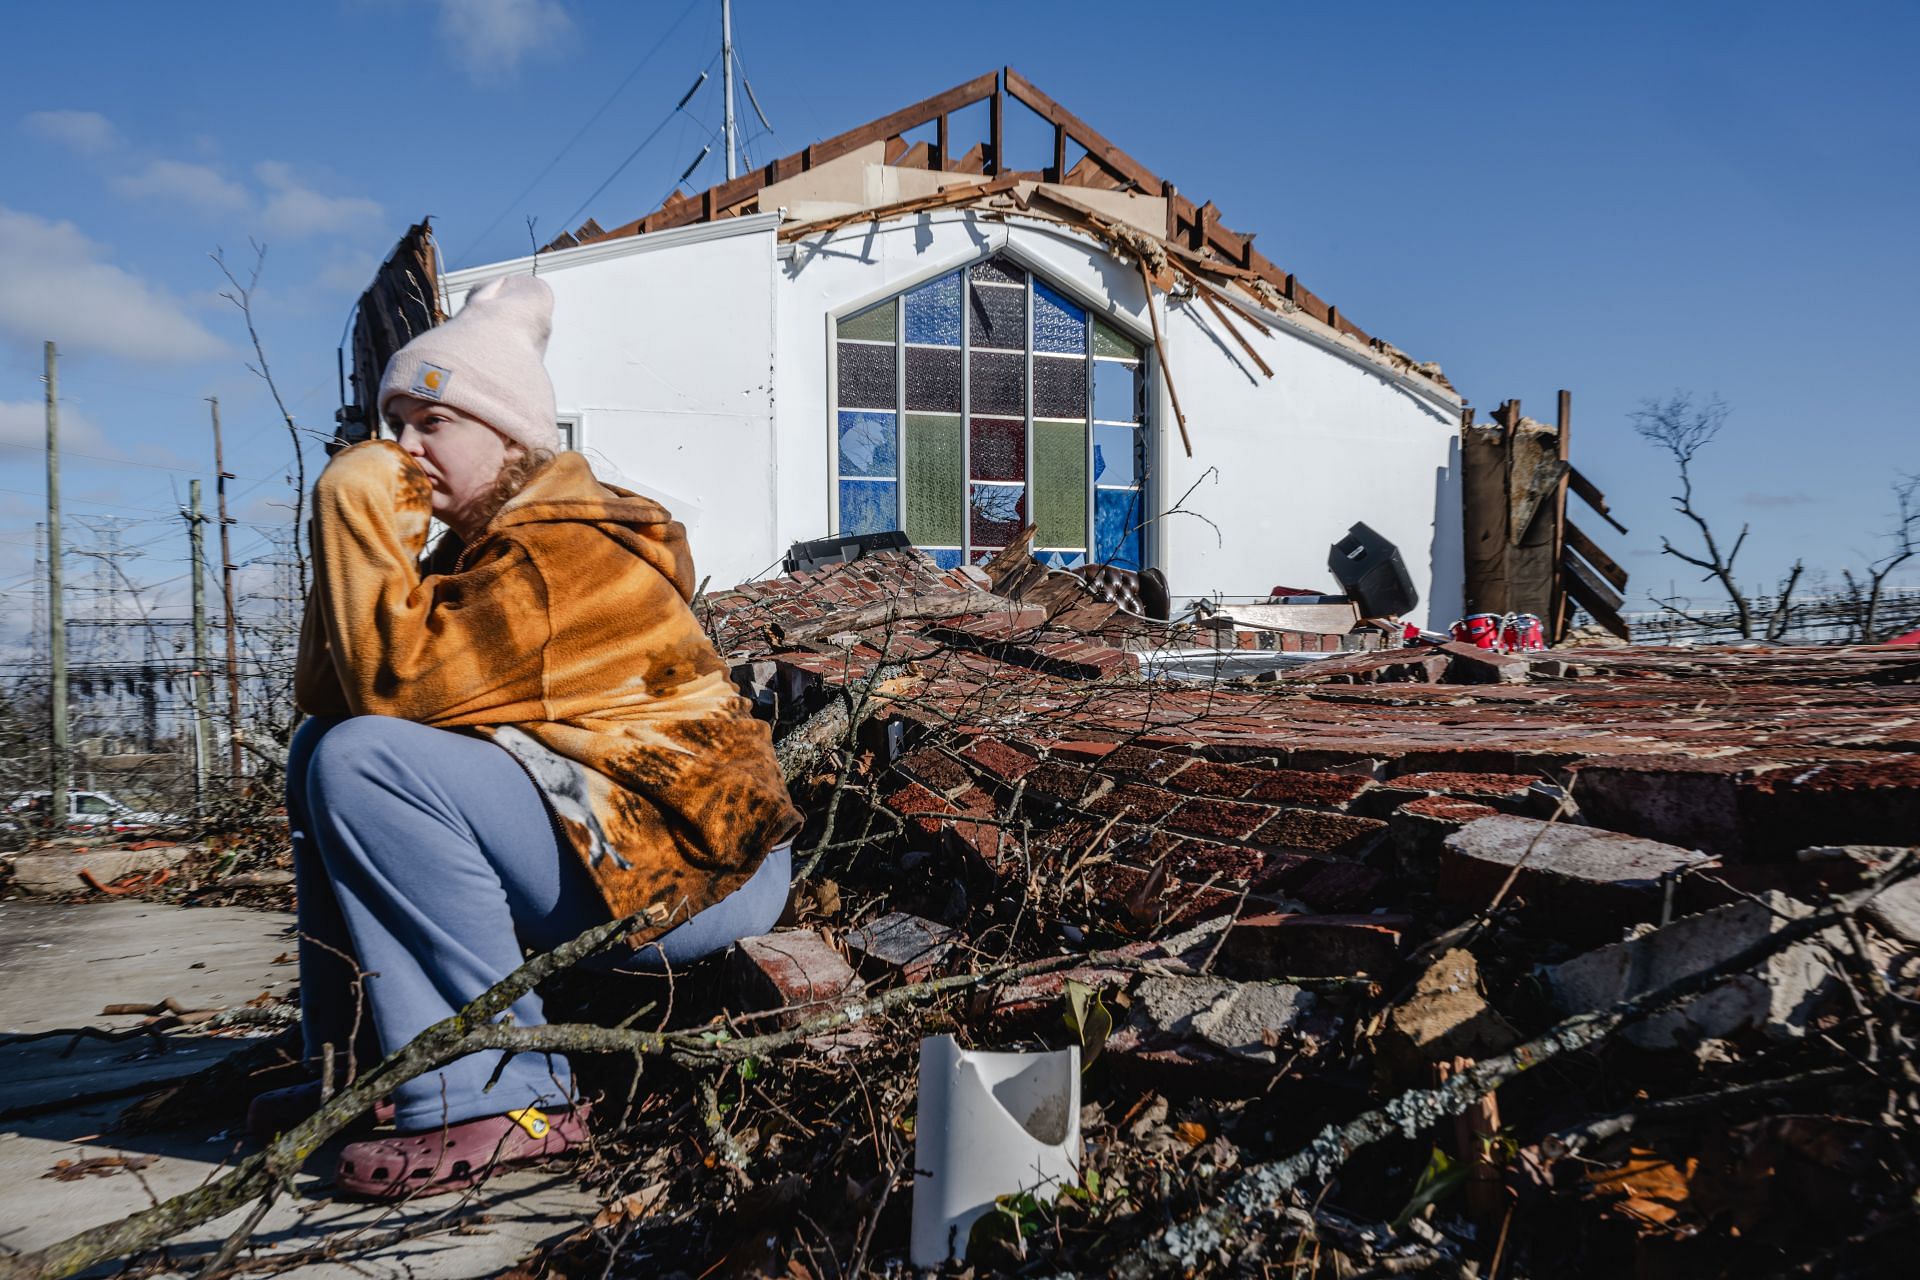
x=1619 y=199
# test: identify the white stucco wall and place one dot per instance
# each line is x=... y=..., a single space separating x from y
x=699 y=363
x=662 y=351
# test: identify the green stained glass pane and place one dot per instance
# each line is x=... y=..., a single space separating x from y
x=936 y=480
x=1107 y=341
x=875 y=323
x=1059 y=483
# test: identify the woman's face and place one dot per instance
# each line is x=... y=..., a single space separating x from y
x=461 y=455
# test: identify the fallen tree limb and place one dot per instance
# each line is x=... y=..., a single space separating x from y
x=470 y=1030
x=1186 y=1247
x=258 y=1173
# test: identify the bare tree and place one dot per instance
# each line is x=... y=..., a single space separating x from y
x=1867 y=592
x=241 y=296
x=1683 y=428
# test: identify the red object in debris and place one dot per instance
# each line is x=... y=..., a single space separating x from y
x=1912 y=637
x=1479 y=629
x=1523 y=633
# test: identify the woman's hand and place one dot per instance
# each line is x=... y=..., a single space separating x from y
x=377 y=481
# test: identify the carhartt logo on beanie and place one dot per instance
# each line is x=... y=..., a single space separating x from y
x=488 y=361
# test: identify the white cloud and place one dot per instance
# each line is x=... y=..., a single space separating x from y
x=348 y=271
x=295 y=209
x=198 y=186
x=84 y=131
x=56 y=283
x=24 y=422
x=491 y=37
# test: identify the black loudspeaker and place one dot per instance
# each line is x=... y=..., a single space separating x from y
x=1370 y=569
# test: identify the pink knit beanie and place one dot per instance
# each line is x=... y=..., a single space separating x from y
x=487 y=361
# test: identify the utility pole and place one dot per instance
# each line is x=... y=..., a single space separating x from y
x=56 y=614
x=226 y=588
x=202 y=725
x=726 y=71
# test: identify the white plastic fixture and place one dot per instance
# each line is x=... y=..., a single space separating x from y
x=990 y=1125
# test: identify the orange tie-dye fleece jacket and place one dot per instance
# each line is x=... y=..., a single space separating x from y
x=564 y=635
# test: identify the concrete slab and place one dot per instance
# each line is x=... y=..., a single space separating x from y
x=60 y=964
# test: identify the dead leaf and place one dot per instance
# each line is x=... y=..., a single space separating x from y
x=643 y=1203
x=1190 y=1132
x=1649 y=1188
x=1143 y=904
x=98 y=1166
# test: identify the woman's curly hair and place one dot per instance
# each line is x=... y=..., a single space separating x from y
x=512 y=479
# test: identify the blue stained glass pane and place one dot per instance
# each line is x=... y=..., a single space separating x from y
x=1059 y=323
x=933 y=312
x=1116 y=392
x=867 y=445
x=946 y=557
x=1061 y=559
x=1115 y=455
x=1116 y=534
x=868 y=506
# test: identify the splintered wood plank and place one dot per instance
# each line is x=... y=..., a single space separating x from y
x=1591 y=495
x=1603 y=564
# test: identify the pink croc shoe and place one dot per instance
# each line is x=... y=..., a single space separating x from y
x=456 y=1156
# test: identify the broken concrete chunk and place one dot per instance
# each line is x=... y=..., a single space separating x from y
x=907 y=946
x=1243 y=1020
x=1895 y=910
x=1582 y=881
x=1778 y=998
x=797 y=973
x=1446 y=1017
x=1314 y=946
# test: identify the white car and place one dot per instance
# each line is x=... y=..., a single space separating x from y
x=87 y=810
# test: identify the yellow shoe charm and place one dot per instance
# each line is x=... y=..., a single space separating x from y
x=533 y=1120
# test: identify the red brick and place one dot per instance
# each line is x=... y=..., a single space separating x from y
x=1228 y=864
x=1055 y=780
x=1149 y=766
x=1313 y=831
x=937 y=770
x=1224 y=781
x=1338 y=886
x=1180 y=901
x=1505 y=785
x=1134 y=801
x=1299 y=787
x=1092 y=752
x=1313 y=946
x=915 y=799
x=1222 y=819
x=797 y=973
x=999 y=760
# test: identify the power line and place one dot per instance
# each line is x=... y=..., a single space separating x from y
x=632 y=155
x=118 y=462
x=582 y=132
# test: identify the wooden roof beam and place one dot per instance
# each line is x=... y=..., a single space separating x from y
x=1096 y=143
x=728 y=194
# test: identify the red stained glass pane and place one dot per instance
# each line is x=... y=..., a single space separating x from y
x=998 y=449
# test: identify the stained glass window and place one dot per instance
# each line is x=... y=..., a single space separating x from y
x=933 y=312
x=985 y=400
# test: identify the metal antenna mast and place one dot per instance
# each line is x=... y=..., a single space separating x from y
x=726 y=70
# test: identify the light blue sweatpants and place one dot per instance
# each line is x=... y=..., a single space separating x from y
x=429 y=858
